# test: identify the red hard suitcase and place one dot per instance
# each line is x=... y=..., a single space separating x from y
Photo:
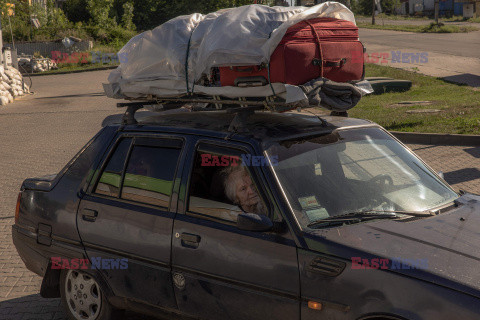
x=322 y=47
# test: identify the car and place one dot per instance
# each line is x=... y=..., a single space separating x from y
x=250 y=215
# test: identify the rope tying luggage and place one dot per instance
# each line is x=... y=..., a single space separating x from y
x=314 y=32
x=268 y=71
x=186 y=63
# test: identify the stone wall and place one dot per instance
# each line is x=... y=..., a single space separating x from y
x=46 y=48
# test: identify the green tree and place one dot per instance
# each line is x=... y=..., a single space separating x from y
x=127 y=17
x=76 y=10
x=100 y=12
x=149 y=14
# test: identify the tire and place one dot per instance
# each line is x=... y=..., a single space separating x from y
x=84 y=299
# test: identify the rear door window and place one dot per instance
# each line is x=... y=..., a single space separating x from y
x=149 y=175
x=141 y=170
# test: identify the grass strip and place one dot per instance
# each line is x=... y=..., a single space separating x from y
x=459 y=105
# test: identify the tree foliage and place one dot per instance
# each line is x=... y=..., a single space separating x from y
x=151 y=13
x=19 y=25
x=97 y=19
x=76 y=10
x=127 y=17
x=100 y=12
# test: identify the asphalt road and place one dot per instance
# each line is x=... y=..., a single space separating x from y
x=453 y=56
x=40 y=133
x=457 y=44
x=415 y=22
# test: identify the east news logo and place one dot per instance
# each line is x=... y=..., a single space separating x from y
x=96 y=263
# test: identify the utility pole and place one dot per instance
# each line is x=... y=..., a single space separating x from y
x=373 y=12
x=437 y=8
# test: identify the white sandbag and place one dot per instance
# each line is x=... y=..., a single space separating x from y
x=13 y=70
x=6 y=86
x=3 y=100
x=20 y=92
x=10 y=97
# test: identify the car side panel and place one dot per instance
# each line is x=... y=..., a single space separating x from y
x=355 y=293
x=138 y=234
x=233 y=274
x=47 y=220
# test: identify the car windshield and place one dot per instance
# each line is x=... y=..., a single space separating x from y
x=354 y=170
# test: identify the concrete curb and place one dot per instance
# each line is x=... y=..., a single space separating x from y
x=437 y=138
x=67 y=72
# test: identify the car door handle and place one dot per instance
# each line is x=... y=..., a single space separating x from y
x=190 y=240
x=89 y=215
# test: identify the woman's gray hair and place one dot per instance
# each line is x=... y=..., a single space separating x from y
x=229 y=183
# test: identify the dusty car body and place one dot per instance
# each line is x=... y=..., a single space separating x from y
x=332 y=245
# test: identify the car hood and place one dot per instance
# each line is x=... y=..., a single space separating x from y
x=448 y=244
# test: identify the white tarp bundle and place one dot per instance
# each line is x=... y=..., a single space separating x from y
x=156 y=61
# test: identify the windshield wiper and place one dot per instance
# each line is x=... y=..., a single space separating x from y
x=355 y=217
x=428 y=213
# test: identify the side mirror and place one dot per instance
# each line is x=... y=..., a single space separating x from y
x=440 y=173
x=254 y=222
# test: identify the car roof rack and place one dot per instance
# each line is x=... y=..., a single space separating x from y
x=238 y=123
x=242 y=107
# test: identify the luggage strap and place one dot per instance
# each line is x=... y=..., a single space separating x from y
x=186 y=62
x=268 y=72
x=320 y=63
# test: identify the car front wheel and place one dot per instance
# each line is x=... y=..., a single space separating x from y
x=83 y=298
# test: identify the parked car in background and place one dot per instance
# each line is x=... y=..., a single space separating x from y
x=354 y=225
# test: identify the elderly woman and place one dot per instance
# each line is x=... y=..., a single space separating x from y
x=240 y=189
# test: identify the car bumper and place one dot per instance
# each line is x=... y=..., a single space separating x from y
x=29 y=250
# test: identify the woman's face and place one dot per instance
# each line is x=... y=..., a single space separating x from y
x=245 y=192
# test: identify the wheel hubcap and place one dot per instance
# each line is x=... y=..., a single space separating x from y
x=83 y=295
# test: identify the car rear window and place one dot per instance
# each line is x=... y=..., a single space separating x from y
x=109 y=183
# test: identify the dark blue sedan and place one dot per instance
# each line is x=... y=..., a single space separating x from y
x=282 y=216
